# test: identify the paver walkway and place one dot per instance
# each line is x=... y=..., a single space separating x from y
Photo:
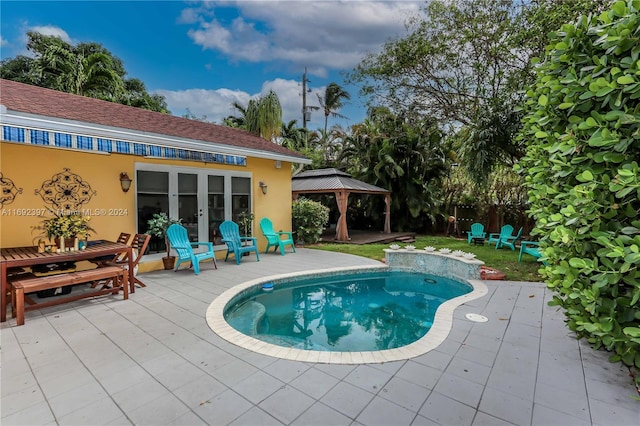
x=153 y=360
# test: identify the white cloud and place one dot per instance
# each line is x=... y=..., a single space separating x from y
x=327 y=34
x=51 y=30
x=3 y=42
x=216 y=104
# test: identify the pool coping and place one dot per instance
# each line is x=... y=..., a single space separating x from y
x=439 y=331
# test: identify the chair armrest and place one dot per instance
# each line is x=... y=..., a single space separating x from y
x=289 y=234
x=525 y=244
x=178 y=246
x=254 y=239
x=198 y=243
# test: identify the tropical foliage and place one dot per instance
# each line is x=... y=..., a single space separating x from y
x=158 y=225
x=406 y=156
x=261 y=116
x=308 y=220
x=86 y=69
x=581 y=168
x=466 y=64
x=332 y=100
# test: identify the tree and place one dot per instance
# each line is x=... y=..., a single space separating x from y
x=136 y=95
x=332 y=101
x=261 y=116
x=581 y=168
x=404 y=155
x=85 y=69
x=466 y=64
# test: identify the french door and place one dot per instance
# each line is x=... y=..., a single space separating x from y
x=201 y=198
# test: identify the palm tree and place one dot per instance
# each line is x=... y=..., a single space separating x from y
x=293 y=137
x=82 y=70
x=262 y=116
x=331 y=102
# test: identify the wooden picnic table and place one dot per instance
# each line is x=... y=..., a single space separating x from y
x=14 y=257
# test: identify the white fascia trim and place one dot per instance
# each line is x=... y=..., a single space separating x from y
x=83 y=128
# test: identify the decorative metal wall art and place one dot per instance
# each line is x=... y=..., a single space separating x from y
x=66 y=191
x=9 y=191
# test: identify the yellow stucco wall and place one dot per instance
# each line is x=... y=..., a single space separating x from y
x=113 y=211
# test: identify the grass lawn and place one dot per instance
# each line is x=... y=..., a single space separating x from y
x=503 y=259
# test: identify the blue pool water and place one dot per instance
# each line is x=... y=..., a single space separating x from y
x=358 y=311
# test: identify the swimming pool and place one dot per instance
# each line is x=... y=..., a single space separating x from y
x=368 y=311
x=318 y=311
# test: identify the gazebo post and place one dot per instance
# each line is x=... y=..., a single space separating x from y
x=387 y=214
x=342 y=234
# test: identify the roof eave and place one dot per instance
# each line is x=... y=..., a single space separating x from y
x=22 y=119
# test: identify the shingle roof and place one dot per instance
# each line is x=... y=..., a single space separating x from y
x=325 y=180
x=29 y=99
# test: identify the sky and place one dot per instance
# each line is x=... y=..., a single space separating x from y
x=205 y=55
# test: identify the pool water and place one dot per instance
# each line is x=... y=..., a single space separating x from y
x=367 y=311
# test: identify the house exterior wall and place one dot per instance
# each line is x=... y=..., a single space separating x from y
x=112 y=210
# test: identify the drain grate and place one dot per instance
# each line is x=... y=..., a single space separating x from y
x=476 y=318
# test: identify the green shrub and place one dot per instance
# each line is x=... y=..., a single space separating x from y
x=583 y=143
x=309 y=218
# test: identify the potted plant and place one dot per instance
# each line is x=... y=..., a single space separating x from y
x=245 y=223
x=158 y=226
x=67 y=228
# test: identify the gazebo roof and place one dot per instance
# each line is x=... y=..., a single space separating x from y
x=330 y=180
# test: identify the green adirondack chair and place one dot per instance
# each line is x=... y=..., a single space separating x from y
x=509 y=241
x=274 y=238
x=530 y=248
x=505 y=231
x=179 y=240
x=477 y=231
x=236 y=244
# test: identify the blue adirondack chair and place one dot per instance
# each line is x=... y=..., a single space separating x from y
x=236 y=244
x=477 y=231
x=509 y=241
x=274 y=238
x=179 y=240
x=505 y=231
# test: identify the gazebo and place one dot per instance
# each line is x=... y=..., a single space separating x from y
x=322 y=181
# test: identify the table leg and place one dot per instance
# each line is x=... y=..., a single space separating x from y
x=3 y=287
x=132 y=281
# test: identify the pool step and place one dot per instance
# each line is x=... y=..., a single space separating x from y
x=246 y=318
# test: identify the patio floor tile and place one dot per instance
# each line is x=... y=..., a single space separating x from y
x=383 y=412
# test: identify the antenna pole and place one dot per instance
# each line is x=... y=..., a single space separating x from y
x=304 y=98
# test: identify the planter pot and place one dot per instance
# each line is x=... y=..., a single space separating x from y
x=65 y=243
x=168 y=262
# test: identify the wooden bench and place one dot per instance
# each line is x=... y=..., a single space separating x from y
x=21 y=286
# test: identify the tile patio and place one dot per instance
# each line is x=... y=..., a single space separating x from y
x=154 y=360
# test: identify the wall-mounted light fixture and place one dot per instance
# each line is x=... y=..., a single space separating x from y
x=125 y=181
x=263 y=187
x=278 y=164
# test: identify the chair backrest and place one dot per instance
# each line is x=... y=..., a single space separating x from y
x=267 y=226
x=179 y=240
x=139 y=245
x=506 y=231
x=123 y=238
x=519 y=233
x=230 y=231
x=477 y=229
